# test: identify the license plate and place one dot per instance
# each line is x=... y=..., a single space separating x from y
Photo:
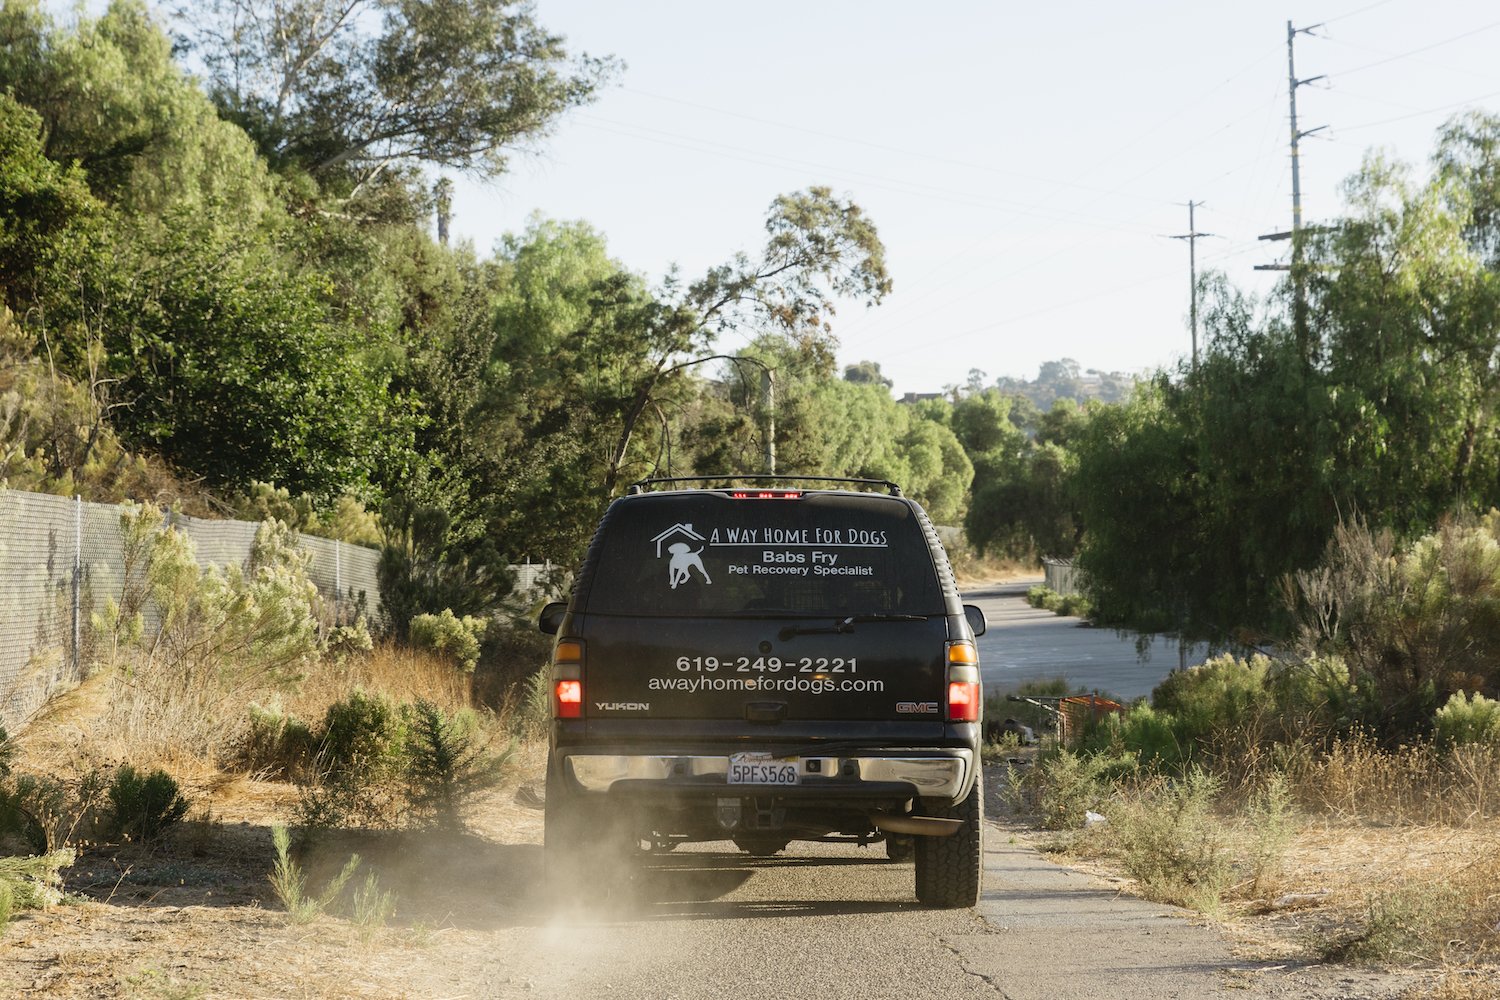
x=761 y=769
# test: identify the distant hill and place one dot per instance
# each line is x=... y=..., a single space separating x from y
x=1064 y=380
x=1055 y=380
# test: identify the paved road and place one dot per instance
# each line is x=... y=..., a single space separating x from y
x=837 y=922
x=1024 y=643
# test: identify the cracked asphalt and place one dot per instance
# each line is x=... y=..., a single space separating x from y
x=839 y=921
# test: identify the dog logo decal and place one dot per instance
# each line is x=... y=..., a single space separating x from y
x=683 y=557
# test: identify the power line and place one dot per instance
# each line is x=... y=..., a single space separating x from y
x=1418 y=51
x=1354 y=13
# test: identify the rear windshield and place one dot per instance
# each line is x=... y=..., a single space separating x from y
x=711 y=554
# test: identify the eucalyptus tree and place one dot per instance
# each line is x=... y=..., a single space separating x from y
x=346 y=89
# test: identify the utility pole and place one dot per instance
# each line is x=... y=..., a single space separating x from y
x=768 y=394
x=1192 y=236
x=1299 y=305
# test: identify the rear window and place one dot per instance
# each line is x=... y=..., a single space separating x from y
x=711 y=554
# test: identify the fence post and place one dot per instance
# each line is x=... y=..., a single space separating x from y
x=338 y=580
x=77 y=577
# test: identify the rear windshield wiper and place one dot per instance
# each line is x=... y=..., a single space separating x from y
x=844 y=625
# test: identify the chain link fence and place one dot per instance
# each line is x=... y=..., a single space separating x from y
x=61 y=558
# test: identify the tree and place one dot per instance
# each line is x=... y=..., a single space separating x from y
x=1221 y=484
x=229 y=366
x=1468 y=165
x=866 y=373
x=46 y=211
x=114 y=103
x=347 y=88
x=818 y=248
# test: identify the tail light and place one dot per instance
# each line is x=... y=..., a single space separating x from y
x=965 y=699
x=567 y=679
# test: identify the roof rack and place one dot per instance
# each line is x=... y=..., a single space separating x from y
x=645 y=484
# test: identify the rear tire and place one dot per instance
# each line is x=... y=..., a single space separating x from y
x=586 y=848
x=950 y=869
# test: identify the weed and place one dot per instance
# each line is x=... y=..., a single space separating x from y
x=373 y=906
x=1271 y=823
x=153 y=984
x=1171 y=842
x=290 y=883
x=1061 y=787
x=1409 y=923
x=35 y=882
x=530 y=721
x=143 y=805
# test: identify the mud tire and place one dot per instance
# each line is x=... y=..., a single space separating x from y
x=950 y=869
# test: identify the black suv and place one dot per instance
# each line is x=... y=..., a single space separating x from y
x=767 y=664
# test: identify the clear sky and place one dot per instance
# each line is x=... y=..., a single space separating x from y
x=1024 y=163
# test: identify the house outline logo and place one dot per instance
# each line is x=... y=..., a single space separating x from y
x=685 y=530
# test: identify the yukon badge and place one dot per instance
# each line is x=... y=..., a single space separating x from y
x=916 y=708
x=623 y=706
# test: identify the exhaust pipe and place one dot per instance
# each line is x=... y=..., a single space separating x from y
x=919 y=826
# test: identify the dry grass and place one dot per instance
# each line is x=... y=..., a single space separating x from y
x=402 y=674
x=1390 y=858
x=1356 y=779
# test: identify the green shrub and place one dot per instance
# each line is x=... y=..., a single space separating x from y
x=32 y=883
x=1074 y=606
x=1037 y=595
x=355 y=774
x=448 y=635
x=361 y=733
x=1154 y=738
x=1415 y=623
x=342 y=642
x=276 y=742
x=19 y=826
x=142 y=806
x=1061 y=787
x=1171 y=842
x=1466 y=720
x=446 y=763
x=1314 y=698
x=7 y=753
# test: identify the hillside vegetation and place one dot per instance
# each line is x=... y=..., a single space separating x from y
x=226 y=287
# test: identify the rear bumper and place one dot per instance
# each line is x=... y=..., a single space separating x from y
x=938 y=774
